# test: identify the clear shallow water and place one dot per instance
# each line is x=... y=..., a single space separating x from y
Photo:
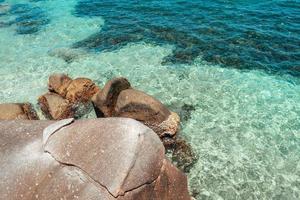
x=245 y=121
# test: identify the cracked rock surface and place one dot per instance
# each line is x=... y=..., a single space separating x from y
x=110 y=158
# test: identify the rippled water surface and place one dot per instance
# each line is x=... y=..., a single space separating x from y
x=234 y=64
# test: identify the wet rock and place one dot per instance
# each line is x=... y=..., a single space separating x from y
x=80 y=160
x=55 y=107
x=186 y=112
x=84 y=110
x=4 y=24
x=81 y=90
x=168 y=127
x=142 y=107
x=30 y=112
x=59 y=83
x=10 y=111
x=105 y=100
x=182 y=153
x=4 y=8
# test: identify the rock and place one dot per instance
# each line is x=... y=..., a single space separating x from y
x=168 y=127
x=182 y=153
x=10 y=111
x=81 y=90
x=59 y=83
x=112 y=158
x=84 y=110
x=4 y=9
x=142 y=107
x=75 y=96
x=169 y=142
x=30 y=112
x=55 y=107
x=105 y=100
x=186 y=112
x=67 y=54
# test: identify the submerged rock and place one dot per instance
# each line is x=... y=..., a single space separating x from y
x=182 y=153
x=4 y=8
x=105 y=100
x=55 y=107
x=112 y=158
x=10 y=111
x=186 y=112
x=67 y=54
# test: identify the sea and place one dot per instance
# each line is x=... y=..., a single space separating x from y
x=230 y=68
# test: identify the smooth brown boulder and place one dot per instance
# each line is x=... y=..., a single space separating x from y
x=59 y=83
x=112 y=158
x=10 y=111
x=105 y=100
x=138 y=105
x=81 y=90
x=55 y=107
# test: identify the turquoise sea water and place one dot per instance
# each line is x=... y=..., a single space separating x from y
x=234 y=64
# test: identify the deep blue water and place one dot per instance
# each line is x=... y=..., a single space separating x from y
x=241 y=34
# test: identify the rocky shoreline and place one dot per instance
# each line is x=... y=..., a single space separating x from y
x=114 y=105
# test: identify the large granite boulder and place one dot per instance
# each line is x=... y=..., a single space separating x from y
x=105 y=100
x=10 y=111
x=55 y=107
x=111 y=158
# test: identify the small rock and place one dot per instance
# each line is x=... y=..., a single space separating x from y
x=59 y=83
x=55 y=107
x=81 y=90
x=11 y=111
x=30 y=112
x=105 y=100
x=186 y=112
